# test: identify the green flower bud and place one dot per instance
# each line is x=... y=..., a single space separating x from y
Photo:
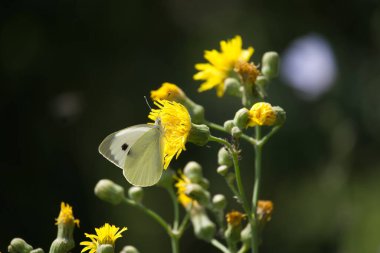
x=222 y=170
x=18 y=245
x=219 y=202
x=241 y=118
x=271 y=62
x=105 y=248
x=197 y=112
x=236 y=132
x=280 y=115
x=224 y=157
x=195 y=191
x=166 y=179
x=38 y=250
x=193 y=171
x=136 y=194
x=204 y=183
x=204 y=228
x=246 y=235
x=129 y=249
x=109 y=191
x=199 y=134
x=261 y=85
x=62 y=245
x=232 y=87
x=232 y=233
x=228 y=125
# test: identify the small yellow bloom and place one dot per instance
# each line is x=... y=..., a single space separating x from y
x=221 y=64
x=261 y=114
x=168 y=91
x=66 y=215
x=104 y=235
x=182 y=183
x=265 y=209
x=176 y=124
x=235 y=218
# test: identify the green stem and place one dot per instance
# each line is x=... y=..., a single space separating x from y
x=151 y=214
x=235 y=160
x=173 y=196
x=184 y=223
x=219 y=246
x=221 y=128
x=267 y=137
x=174 y=240
x=255 y=194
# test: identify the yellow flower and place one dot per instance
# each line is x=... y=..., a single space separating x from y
x=265 y=209
x=234 y=218
x=221 y=64
x=66 y=215
x=261 y=114
x=176 y=124
x=104 y=235
x=182 y=183
x=168 y=91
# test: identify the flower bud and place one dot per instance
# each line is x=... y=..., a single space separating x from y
x=236 y=132
x=246 y=235
x=228 y=125
x=129 y=249
x=241 y=118
x=234 y=220
x=105 y=248
x=204 y=183
x=136 y=194
x=224 y=157
x=232 y=87
x=261 y=85
x=38 y=250
x=18 y=245
x=199 y=134
x=271 y=62
x=204 y=228
x=62 y=245
x=280 y=115
x=109 y=191
x=195 y=191
x=193 y=171
x=222 y=170
x=219 y=202
x=197 y=112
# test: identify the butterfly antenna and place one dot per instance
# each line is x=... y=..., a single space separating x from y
x=147 y=102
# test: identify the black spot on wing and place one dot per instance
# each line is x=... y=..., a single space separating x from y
x=124 y=146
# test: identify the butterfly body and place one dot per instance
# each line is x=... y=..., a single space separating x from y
x=138 y=151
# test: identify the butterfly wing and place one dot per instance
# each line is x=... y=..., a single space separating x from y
x=116 y=146
x=144 y=163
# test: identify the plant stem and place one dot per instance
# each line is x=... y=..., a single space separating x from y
x=267 y=137
x=221 y=128
x=255 y=194
x=235 y=160
x=184 y=223
x=219 y=246
x=175 y=206
x=174 y=240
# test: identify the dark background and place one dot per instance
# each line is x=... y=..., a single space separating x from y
x=74 y=71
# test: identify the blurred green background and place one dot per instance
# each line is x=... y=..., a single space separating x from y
x=74 y=71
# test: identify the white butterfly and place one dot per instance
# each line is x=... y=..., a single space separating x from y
x=138 y=150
